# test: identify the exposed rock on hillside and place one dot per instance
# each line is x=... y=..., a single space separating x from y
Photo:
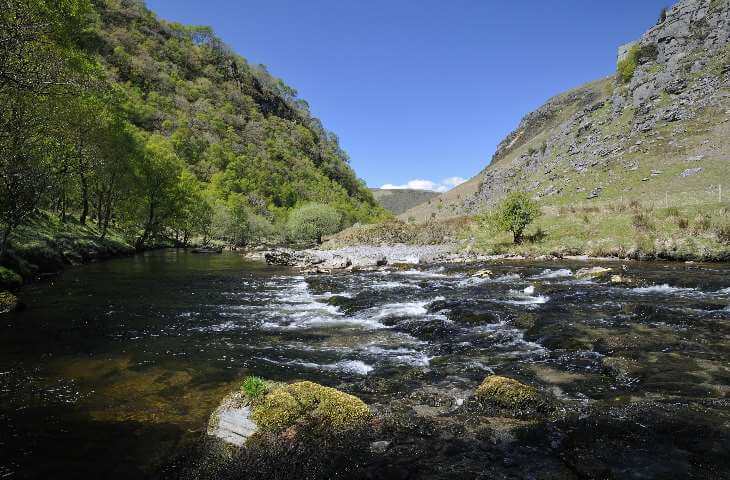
x=608 y=139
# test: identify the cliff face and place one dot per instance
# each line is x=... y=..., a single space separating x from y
x=658 y=129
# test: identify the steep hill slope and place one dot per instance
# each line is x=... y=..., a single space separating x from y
x=235 y=126
x=398 y=201
x=657 y=131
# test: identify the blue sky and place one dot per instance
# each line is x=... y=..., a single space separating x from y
x=423 y=89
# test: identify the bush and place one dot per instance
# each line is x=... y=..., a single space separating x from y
x=722 y=230
x=9 y=279
x=642 y=223
x=627 y=66
x=702 y=223
x=514 y=214
x=312 y=221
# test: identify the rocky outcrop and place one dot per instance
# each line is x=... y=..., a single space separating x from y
x=597 y=141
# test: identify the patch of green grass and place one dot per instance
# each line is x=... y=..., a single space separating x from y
x=254 y=387
x=617 y=229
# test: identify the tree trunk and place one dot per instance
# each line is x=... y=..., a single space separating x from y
x=84 y=200
x=107 y=214
x=147 y=228
x=4 y=241
x=518 y=237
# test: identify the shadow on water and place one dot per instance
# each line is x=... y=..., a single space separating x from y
x=115 y=367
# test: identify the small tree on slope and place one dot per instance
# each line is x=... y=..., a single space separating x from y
x=514 y=214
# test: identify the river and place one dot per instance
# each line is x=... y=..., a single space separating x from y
x=115 y=366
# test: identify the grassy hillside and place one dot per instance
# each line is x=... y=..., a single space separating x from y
x=398 y=201
x=658 y=131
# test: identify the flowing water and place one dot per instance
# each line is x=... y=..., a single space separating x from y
x=114 y=366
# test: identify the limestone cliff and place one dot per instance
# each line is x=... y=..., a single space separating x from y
x=661 y=130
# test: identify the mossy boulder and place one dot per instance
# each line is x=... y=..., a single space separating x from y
x=591 y=273
x=507 y=392
x=8 y=302
x=327 y=409
x=9 y=279
x=509 y=397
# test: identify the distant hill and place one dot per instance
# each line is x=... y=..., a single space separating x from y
x=398 y=201
x=657 y=131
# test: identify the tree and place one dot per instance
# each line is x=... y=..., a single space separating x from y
x=157 y=176
x=24 y=155
x=514 y=214
x=310 y=222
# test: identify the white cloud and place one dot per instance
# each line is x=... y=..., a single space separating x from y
x=453 y=181
x=419 y=184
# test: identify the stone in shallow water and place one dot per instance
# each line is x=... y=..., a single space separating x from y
x=231 y=421
x=592 y=272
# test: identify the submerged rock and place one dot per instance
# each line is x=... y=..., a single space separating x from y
x=592 y=272
x=483 y=274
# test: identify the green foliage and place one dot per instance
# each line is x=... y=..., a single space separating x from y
x=312 y=221
x=9 y=279
x=513 y=214
x=627 y=66
x=254 y=388
x=118 y=117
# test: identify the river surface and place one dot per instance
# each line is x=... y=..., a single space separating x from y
x=114 y=366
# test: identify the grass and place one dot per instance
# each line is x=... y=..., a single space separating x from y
x=254 y=388
x=621 y=229
x=45 y=244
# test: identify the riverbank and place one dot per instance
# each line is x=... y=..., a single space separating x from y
x=46 y=246
x=617 y=230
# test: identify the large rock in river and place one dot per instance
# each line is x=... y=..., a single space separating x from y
x=8 y=302
x=278 y=407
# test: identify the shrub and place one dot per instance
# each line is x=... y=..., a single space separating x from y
x=627 y=66
x=642 y=223
x=254 y=388
x=514 y=214
x=9 y=279
x=722 y=230
x=702 y=223
x=312 y=221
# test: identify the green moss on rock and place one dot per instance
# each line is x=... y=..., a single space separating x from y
x=8 y=302
x=327 y=408
x=507 y=392
x=9 y=279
